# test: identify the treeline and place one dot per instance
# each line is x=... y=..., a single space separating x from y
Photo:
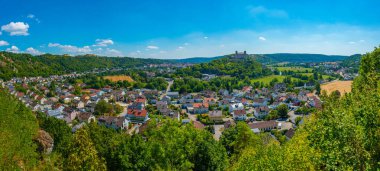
x=191 y=85
x=96 y=81
x=26 y=65
x=239 y=68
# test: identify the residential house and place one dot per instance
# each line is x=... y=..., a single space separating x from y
x=239 y=115
x=259 y=102
x=264 y=126
x=216 y=115
x=137 y=116
x=86 y=117
x=173 y=95
x=118 y=123
x=236 y=106
x=261 y=112
x=200 y=108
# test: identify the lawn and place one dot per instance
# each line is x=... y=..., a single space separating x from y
x=295 y=69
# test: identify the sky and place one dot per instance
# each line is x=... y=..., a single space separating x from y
x=174 y=29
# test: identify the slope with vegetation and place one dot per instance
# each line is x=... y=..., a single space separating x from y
x=25 y=65
x=239 y=68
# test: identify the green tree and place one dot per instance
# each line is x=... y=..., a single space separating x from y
x=282 y=111
x=102 y=107
x=318 y=88
x=82 y=153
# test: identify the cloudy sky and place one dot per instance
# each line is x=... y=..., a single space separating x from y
x=188 y=28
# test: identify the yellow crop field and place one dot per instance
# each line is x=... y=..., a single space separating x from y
x=341 y=86
x=116 y=78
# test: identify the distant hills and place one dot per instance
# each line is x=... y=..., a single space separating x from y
x=21 y=65
x=196 y=60
x=276 y=57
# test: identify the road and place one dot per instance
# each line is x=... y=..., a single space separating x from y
x=218 y=131
x=170 y=83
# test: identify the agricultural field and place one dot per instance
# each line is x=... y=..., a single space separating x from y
x=325 y=77
x=268 y=79
x=295 y=69
x=341 y=86
x=116 y=78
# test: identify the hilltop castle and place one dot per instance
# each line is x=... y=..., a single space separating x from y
x=240 y=55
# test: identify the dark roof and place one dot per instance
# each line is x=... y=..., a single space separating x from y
x=290 y=133
x=198 y=125
x=227 y=124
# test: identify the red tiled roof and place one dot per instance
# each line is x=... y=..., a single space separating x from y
x=137 y=113
x=199 y=105
x=239 y=112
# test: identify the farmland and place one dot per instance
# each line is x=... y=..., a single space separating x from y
x=341 y=86
x=268 y=79
x=116 y=78
x=294 y=69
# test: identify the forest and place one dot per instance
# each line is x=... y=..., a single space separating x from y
x=26 y=65
x=344 y=135
x=239 y=68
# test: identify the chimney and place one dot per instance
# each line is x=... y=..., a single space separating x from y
x=236 y=52
x=245 y=52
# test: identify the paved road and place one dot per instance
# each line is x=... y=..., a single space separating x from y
x=218 y=131
x=292 y=116
x=125 y=106
x=170 y=83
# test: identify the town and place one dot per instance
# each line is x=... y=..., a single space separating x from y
x=265 y=109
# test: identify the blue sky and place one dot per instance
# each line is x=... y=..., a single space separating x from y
x=189 y=28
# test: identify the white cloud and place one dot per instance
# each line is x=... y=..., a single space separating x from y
x=13 y=49
x=33 y=51
x=205 y=37
x=75 y=50
x=16 y=28
x=111 y=53
x=152 y=47
x=262 y=38
x=261 y=10
x=186 y=44
x=162 y=51
x=71 y=48
x=30 y=16
x=352 y=42
x=180 y=47
x=103 y=42
x=3 y=43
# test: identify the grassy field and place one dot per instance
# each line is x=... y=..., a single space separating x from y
x=268 y=79
x=323 y=76
x=116 y=78
x=295 y=69
x=341 y=86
